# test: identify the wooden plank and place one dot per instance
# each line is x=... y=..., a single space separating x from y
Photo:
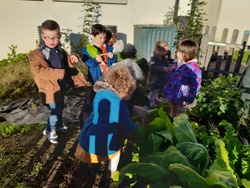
x=245 y=36
x=210 y=49
x=203 y=50
x=240 y=56
x=231 y=50
x=220 y=54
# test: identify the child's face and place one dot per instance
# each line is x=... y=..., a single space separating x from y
x=179 y=56
x=162 y=49
x=99 y=39
x=51 y=38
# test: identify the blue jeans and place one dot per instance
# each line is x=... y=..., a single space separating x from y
x=55 y=117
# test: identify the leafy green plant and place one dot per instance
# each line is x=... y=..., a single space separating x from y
x=182 y=162
x=219 y=99
x=13 y=57
x=92 y=14
x=10 y=129
x=191 y=25
x=16 y=80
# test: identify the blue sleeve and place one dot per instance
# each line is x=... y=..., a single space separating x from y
x=88 y=60
x=126 y=124
x=114 y=59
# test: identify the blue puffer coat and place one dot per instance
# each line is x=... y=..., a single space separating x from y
x=105 y=130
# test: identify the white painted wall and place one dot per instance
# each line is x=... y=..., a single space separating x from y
x=234 y=15
x=229 y=14
x=19 y=19
x=212 y=10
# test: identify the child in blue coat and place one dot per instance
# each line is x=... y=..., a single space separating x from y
x=98 y=56
x=104 y=132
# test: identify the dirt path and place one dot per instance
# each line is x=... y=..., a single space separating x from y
x=35 y=162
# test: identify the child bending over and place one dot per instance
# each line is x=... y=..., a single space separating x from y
x=104 y=132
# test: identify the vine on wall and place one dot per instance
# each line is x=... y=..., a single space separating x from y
x=190 y=26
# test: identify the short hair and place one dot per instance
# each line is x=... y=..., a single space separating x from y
x=96 y=29
x=108 y=35
x=50 y=25
x=121 y=80
x=188 y=48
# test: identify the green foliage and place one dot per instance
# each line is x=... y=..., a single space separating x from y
x=16 y=80
x=188 y=176
x=219 y=99
x=220 y=172
x=195 y=20
x=10 y=129
x=92 y=14
x=196 y=153
x=13 y=57
x=191 y=26
x=185 y=162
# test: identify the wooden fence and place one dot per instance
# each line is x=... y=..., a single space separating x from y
x=221 y=57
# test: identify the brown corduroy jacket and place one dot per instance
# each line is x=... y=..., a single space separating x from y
x=46 y=77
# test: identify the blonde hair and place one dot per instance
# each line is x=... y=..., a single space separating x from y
x=121 y=80
x=188 y=48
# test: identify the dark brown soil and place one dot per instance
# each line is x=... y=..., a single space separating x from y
x=35 y=162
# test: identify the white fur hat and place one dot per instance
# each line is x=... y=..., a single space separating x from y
x=134 y=68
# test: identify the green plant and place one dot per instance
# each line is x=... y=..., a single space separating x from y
x=92 y=13
x=13 y=57
x=191 y=25
x=16 y=82
x=65 y=41
x=218 y=100
x=16 y=77
x=181 y=162
x=10 y=129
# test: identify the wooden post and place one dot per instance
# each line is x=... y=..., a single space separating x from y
x=239 y=59
x=231 y=50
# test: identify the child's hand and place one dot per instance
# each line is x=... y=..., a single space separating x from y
x=99 y=58
x=110 y=55
x=73 y=58
x=140 y=111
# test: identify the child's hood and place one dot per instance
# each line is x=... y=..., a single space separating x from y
x=102 y=96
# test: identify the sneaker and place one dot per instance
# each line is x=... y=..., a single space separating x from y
x=62 y=129
x=52 y=137
x=45 y=132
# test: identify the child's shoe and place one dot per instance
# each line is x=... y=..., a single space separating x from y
x=62 y=129
x=52 y=136
x=45 y=132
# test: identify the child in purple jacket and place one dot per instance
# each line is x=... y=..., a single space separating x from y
x=184 y=79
